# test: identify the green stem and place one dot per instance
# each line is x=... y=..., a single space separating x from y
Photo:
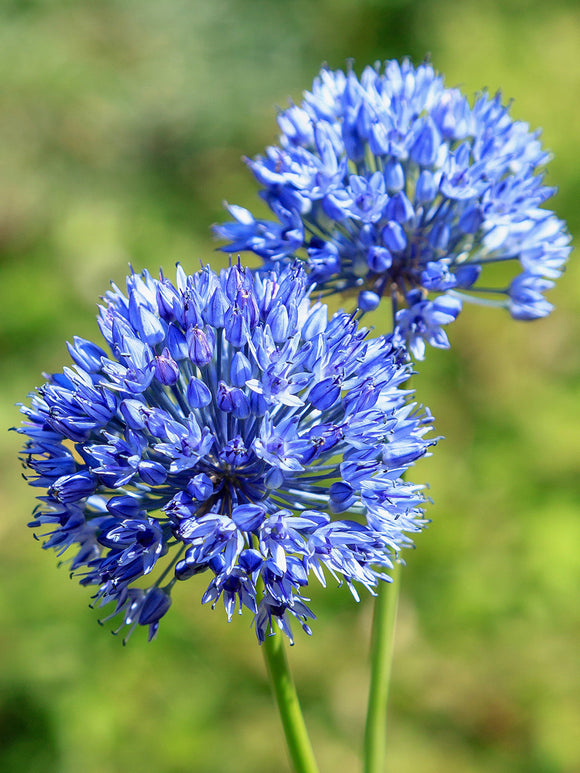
x=383 y=637
x=299 y=746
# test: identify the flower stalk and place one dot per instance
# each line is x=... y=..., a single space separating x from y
x=382 y=642
x=297 y=740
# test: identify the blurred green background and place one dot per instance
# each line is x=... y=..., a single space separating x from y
x=122 y=124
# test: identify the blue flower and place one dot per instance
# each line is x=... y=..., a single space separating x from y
x=225 y=429
x=393 y=185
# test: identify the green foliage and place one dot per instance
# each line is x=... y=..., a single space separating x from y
x=123 y=124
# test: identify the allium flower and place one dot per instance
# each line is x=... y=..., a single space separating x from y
x=393 y=185
x=223 y=431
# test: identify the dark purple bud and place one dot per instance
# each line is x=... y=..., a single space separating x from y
x=224 y=398
x=235 y=281
x=216 y=309
x=192 y=316
x=399 y=208
x=466 y=276
x=426 y=187
x=439 y=236
x=200 y=345
x=379 y=259
x=168 y=300
x=198 y=394
x=247 y=303
x=258 y=405
x=394 y=237
x=394 y=177
x=320 y=439
x=368 y=301
x=148 y=324
x=152 y=473
x=240 y=370
x=135 y=413
x=278 y=321
x=471 y=220
x=426 y=146
x=200 y=487
x=250 y=560
x=354 y=144
x=113 y=534
x=341 y=496
x=240 y=403
x=274 y=478
x=156 y=604
x=232 y=400
x=71 y=488
x=177 y=344
x=181 y=507
x=166 y=369
x=364 y=397
x=125 y=507
x=236 y=328
x=157 y=422
x=248 y=517
x=324 y=394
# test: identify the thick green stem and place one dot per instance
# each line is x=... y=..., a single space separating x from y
x=299 y=747
x=383 y=637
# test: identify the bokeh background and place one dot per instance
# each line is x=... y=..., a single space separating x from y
x=122 y=126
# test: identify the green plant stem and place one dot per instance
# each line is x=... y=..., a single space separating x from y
x=383 y=637
x=299 y=747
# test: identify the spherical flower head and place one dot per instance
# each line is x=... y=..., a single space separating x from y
x=396 y=186
x=227 y=428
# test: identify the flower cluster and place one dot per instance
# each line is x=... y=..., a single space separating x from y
x=230 y=427
x=393 y=185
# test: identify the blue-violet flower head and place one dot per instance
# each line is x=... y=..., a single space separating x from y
x=394 y=185
x=228 y=427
